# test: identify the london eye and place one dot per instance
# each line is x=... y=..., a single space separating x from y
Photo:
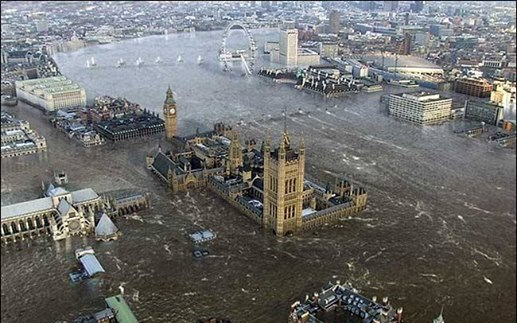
x=245 y=56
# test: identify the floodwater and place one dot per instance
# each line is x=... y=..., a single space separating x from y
x=439 y=228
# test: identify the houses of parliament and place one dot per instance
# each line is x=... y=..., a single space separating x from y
x=266 y=182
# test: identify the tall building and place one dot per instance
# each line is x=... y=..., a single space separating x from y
x=391 y=5
x=474 y=87
x=422 y=107
x=288 y=47
x=504 y=95
x=418 y=6
x=406 y=44
x=483 y=111
x=283 y=186
x=334 y=22
x=170 y=115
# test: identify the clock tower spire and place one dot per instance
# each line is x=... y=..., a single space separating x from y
x=170 y=115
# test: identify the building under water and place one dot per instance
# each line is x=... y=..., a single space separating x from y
x=339 y=303
x=267 y=184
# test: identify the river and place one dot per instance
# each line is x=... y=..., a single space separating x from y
x=439 y=228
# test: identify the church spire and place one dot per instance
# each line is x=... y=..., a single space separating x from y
x=285 y=139
x=170 y=96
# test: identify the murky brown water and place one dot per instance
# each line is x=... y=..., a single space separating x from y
x=441 y=215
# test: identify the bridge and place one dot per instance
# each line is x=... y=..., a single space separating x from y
x=245 y=56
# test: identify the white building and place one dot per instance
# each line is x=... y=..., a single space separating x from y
x=288 y=47
x=307 y=57
x=504 y=94
x=288 y=53
x=41 y=26
x=51 y=93
x=421 y=107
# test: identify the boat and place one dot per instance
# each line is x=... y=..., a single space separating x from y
x=199 y=59
x=139 y=62
x=180 y=59
x=158 y=60
x=93 y=63
x=121 y=63
x=439 y=318
x=88 y=64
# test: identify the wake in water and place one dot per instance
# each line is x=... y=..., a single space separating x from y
x=473 y=207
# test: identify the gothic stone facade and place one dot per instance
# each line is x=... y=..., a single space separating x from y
x=59 y=214
x=268 y=184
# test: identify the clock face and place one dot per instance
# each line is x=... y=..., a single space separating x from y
x=172 y=110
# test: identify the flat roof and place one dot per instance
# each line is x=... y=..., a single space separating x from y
x=403 y=61
x=50 y=85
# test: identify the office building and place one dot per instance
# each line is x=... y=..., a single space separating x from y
x=51 y=93
x=391 y=5
x=487 y=112
x=422 y=107
x=504 y=94
x=406 y=44
x=288 y=47
x=417 y=6
x=334 y=22
x=474 y=87
x=328 y=49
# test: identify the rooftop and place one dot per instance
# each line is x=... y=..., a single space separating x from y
x=403 y=61
x=201 y=236
x=19 y=209
x=50 y=85
x=91 y=264
x=422 y=96
x=123 y=313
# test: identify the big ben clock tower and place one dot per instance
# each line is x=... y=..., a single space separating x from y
x=169 y=115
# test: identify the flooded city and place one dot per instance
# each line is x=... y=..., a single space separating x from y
x=439 y=229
